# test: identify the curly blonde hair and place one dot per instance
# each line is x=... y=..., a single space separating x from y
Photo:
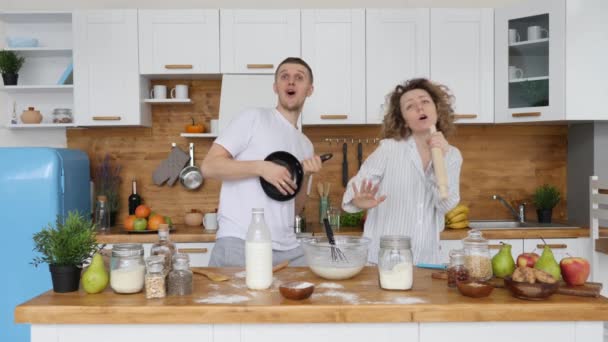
x=393 y=124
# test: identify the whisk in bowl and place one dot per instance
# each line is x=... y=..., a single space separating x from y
x=336 y=254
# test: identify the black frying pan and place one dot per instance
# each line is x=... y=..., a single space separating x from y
x=293 y=165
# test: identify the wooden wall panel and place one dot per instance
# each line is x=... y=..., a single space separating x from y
x=509 y=160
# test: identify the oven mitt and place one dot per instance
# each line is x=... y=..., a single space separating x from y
x=177 y=160
x=161 y=174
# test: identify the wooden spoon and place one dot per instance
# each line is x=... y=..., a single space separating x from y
x=280 y=266
x=211 y=275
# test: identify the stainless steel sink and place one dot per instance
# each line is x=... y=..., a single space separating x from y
x=491 y=224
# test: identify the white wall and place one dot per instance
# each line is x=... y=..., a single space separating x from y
x=57 y=138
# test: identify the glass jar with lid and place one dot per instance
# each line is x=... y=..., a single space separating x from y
x=155 y=277
x=180 y=277
x=456 y=270
x=395 y=263
x=127 y=268
x=477 y=258
x=62 y=115
x=164 y=246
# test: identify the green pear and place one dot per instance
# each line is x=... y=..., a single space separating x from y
x=547 y=263
x=95 y=278
x=503 y=264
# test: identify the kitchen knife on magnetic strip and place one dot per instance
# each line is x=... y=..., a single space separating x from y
x=344 y=165
x=439 y=166
x=360 y=154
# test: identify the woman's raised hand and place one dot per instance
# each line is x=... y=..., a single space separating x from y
x=365 y=197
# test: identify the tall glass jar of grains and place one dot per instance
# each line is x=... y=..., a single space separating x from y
x=127 y=268
x=477 y=259
x=395 y=263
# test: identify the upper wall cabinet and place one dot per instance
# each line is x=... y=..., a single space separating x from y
x=333 y=43
x=107 y=85
x=462 y=58
x=256 y=41
x=397 y=49
x=179 y=41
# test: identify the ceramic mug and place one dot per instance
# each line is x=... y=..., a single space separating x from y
x=210 y=221
x=158 y=92
x=515 y=73
x=179 y=92
x=214 y=126
x=514 y=36
x=536 y=32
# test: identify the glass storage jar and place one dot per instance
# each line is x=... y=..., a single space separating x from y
x=127 y=268
x=395 y=263
x=180 y=277
x=62 y=115
x=456 y=270
x=477 y=258
x=155 y=277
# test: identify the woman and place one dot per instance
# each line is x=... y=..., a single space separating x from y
x=397 y=182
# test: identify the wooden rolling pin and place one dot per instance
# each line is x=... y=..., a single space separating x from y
x=439 y=166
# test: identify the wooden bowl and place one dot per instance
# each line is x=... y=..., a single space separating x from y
x=474 y=289
x=297 y=290
x=525 y=290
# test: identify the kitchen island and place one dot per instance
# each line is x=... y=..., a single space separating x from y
x=354 y=310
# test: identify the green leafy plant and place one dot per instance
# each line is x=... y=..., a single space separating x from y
x=351 y=219
x=107 y=182
x=546 y=197
x=70 y=242
x=10 y=62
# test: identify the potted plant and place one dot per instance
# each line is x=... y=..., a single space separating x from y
x=545 y=198
x=65 y=248
x=10 y=64
x=107 y=182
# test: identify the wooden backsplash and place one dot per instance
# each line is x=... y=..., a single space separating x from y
x=509 y=160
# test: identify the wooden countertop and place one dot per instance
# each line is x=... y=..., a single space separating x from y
x=357 y=300
x=180 y=233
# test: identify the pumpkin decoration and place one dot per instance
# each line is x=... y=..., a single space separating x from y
x=194 y=127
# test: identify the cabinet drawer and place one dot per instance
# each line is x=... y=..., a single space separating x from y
x=199 y=253
x=561 y=247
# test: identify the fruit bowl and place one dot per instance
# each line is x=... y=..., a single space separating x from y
x=525 y=290
x=474 y=288
x=317 y=251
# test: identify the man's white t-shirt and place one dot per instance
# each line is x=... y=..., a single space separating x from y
x=253 y=135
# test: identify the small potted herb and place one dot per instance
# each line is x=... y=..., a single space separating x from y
x=10 y=64
x=106 y=176
x=545 y=199
x=65 y=247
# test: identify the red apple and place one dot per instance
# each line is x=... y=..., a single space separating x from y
x=527 y=259
x=575 y=270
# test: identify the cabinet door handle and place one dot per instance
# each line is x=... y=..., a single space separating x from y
x=193 y=250
x=464 y=116
x=552 y=245
x=260 y=66
x=334 y=117
x=106 y=118
x=523 y=115
x=178 y=66
x=495 y=246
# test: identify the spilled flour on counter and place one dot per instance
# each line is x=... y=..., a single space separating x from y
x=241 y=274
x=330 y=286
x=214 y=286
x=223 y=299
x=350 y=298
x=397 y=300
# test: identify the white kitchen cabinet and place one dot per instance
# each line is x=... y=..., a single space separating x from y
x=517 y=246
x=107 y=86
x=462 y=58
x=561 y=248
x=397 y=49
x=445 y=246
x=256 y=41
x=552 y=41
x=199 y=253
x=179 y=41
x=333 y=43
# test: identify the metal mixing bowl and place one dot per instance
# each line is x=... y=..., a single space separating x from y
x=319 y=257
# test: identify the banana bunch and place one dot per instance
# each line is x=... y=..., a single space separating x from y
x=457 y=217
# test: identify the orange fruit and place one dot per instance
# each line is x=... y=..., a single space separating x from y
x=129 y=222
x=154 y=221
x=142 y=211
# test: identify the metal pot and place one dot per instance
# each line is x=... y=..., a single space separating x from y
x=293 y=165
x=191 y=176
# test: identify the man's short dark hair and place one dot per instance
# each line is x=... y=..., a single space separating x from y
x=295 y=60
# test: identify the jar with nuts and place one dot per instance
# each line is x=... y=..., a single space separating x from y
x=477 y=258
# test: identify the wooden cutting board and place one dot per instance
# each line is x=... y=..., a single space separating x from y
x=589 y=289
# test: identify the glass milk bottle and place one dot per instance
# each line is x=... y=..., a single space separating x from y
x=258 y=253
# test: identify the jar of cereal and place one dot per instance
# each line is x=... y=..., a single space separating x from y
x=477 y=258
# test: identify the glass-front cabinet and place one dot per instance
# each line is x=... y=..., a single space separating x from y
x=530 y=61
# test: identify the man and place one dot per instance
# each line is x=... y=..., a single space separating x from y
x=237 y=158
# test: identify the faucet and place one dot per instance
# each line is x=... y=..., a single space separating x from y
x=521 y=216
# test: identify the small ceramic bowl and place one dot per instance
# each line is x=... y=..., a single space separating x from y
x=525 y=290
x=297 y=290
x=193 y=219
x=474 y=289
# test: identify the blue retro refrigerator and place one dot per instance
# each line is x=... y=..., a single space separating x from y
x=36 y=185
